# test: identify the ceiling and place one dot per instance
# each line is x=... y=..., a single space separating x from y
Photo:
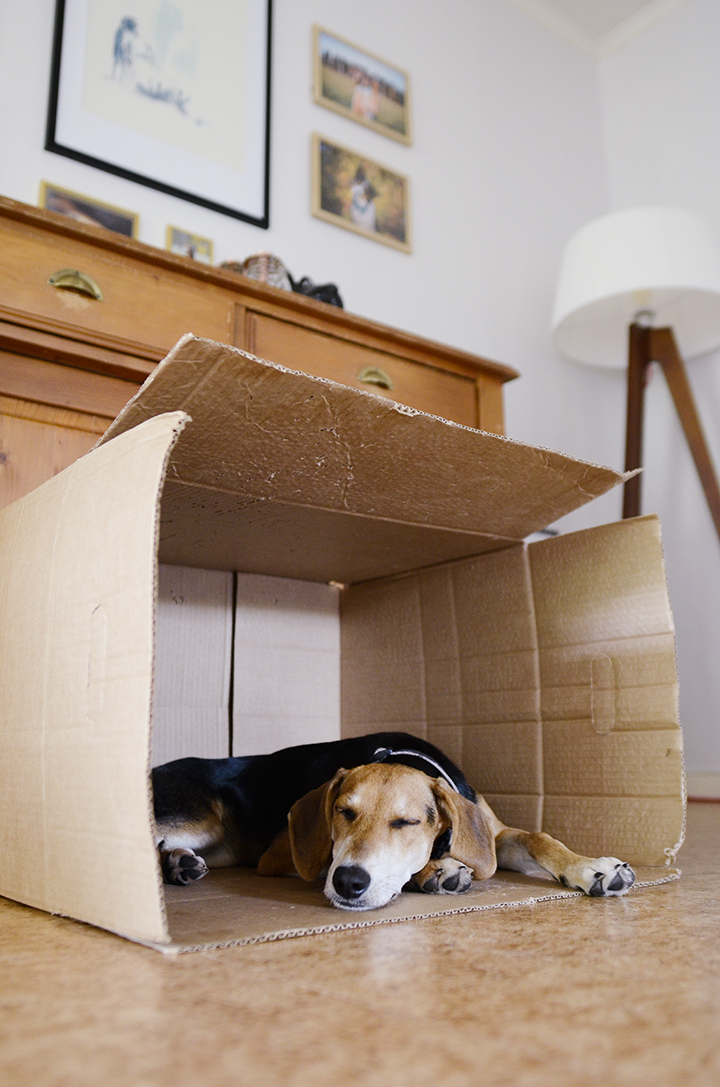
x=598 y=26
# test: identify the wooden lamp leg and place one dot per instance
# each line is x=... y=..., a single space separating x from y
x=638 y=362
x=663 y=349
x=648 y=345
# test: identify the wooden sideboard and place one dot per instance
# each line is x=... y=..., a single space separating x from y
x=69 y=361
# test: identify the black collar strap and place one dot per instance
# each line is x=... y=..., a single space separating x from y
x=383 y=753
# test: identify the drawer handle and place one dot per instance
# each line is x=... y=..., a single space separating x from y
x=73 y=280
x=373 y=375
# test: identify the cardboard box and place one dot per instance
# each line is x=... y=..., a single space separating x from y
x=331 y=563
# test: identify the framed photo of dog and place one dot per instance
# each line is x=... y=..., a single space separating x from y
x=167 y=97
x=355 y=192
x=360 y=86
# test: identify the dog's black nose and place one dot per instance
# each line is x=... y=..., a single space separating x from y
x=350 y=881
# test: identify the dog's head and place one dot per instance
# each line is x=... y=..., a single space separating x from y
x=375 y=827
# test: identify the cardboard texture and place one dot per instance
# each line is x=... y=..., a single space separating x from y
x=77 y=586
x=331 y=563
x=288 y=629
x=547 y=672
x=193 y=639
x=377 y=487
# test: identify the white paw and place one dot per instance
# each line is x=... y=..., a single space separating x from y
x=182 y=866
x=603 y=877
x=449 y=877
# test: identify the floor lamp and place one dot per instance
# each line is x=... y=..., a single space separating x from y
x=636 y=287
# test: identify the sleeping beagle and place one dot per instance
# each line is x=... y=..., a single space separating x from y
x=378 y=813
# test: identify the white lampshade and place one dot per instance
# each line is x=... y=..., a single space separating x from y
x=659 y=259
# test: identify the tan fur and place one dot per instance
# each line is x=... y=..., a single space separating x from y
x=383 y=819
x=380 y=797
x=382 y=793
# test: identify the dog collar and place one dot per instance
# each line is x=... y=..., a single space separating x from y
x=382 y=753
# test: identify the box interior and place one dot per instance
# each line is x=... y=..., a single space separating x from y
x=330 y=563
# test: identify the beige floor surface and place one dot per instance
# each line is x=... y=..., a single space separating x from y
x=614 y=992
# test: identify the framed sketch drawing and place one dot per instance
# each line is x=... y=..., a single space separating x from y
x=168 y=94
x=357 y=193
x=360 y=86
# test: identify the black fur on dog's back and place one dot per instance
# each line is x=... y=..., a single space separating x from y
x=259 y=790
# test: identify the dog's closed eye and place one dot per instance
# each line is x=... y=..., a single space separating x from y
x=347 y=813
x=398 y=824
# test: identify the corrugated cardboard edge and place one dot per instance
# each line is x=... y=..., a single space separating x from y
x=671 y=876
x=181 y=421
x=672 y=852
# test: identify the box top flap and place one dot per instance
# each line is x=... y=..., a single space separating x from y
x=263 y=434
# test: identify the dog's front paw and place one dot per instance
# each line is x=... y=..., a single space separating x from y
x=603 y=877
x=444 y=877
x=182 y=866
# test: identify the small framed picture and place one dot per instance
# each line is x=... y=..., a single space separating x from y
x=353 y=191
x=189 y=245
x=361 y=86
x=85 y=209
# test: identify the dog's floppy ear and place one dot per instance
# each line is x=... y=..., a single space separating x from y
x=473 y=841
x=309 y=825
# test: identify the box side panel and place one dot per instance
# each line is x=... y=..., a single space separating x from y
x=382 y=668
x=286 y=686
x=77 y=577
x=193 y=646
x=450 y=654
x=612 y=741
x=500 y=689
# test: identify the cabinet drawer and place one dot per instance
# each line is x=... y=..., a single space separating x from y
x=49 y=416
x=439 y=392
x=142 y=305
x=48 y=383
x=37 y=442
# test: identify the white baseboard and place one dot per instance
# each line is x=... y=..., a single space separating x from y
x=703 y=786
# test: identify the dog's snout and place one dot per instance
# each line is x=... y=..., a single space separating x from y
x=350 y=881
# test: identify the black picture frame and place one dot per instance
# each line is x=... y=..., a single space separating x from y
x=101 y=139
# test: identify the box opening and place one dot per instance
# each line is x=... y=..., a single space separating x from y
x=281 y=559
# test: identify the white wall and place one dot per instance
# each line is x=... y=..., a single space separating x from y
x=508 y=159
x=660 y=100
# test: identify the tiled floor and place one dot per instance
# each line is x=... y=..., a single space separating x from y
x=613 y=992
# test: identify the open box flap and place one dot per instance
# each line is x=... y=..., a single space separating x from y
x=77 y=588
x=311 y=448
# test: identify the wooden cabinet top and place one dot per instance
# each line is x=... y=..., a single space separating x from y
x=175 y=288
